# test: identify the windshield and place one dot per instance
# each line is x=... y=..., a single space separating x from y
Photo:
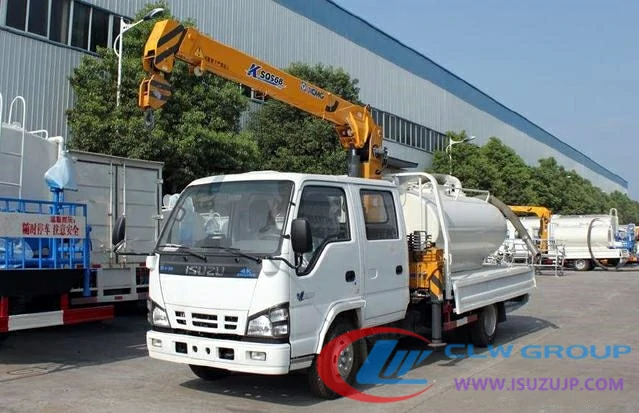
x=248 y=216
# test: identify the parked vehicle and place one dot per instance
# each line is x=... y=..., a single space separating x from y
x=58 y=208
x=590 y=240
x=578 y=241
x=257 y=272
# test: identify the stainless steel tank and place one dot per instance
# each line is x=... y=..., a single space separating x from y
x=573 y=229
x=476 y=228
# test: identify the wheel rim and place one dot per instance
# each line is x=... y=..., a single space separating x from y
x=580 y=264
x=490 y=320
x=345 y=361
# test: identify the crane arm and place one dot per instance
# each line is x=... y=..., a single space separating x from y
x=542 y=213
x=170 y=41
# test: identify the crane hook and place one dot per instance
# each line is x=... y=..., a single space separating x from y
x=149 y=118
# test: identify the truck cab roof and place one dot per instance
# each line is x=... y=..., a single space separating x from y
x=298 y=178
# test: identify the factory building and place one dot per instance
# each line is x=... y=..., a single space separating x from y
x=413 y=99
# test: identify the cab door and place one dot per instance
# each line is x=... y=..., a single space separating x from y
x=332 y=272
x=384 y=251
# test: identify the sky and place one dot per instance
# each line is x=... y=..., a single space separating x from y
x=570 y=66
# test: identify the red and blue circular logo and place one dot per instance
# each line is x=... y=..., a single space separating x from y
x=385 y=364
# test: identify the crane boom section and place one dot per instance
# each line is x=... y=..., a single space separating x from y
x=170 y=40
x=543 y=214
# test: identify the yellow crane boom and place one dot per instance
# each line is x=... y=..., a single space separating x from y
x=544 y=215
x=170 y=41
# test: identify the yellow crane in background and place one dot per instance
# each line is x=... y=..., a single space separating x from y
x=544 y=215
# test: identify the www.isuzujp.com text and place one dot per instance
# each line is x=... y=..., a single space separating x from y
x=549 y=384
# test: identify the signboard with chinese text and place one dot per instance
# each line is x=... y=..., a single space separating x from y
x=21 y=225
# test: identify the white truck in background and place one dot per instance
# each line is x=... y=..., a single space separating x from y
x=581 y=242
x=589 y=240
x=38 y=287
x=110 y=186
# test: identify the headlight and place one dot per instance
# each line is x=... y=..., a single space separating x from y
x=158 y=316
x=270 y=323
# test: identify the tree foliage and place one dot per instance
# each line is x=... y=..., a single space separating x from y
x=292 y=140
x=497 y=168
x=196 y=133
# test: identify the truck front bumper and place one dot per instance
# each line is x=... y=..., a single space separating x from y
x=240 y=356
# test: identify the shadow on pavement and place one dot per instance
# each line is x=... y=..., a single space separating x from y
x=292 y=390
x=40 y=351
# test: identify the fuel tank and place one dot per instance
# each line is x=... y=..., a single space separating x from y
x=476 y=228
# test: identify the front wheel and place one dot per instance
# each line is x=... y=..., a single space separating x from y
x=348 y=362
x=209 y=373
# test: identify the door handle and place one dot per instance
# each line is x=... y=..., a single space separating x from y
x=350 y=276
x=399 y=270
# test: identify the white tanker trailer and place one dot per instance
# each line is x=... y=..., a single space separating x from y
x=588 y=240
x=584 y=241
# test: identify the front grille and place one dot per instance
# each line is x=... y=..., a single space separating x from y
x=208 y=322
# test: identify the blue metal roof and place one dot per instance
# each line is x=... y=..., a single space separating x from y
x=359 y=31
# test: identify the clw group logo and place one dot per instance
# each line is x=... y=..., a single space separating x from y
x=385 y=364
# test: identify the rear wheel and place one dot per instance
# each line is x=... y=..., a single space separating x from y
x=209 y=373
x=348 y=362
x=484 y=330
x=582 y=265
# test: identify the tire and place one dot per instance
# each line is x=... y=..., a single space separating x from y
x=209 y=373
x=353 y=363
x=484 y=330
x=582 y=265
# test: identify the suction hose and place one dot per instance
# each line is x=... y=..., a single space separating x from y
x=514 y=219
x=592 y=256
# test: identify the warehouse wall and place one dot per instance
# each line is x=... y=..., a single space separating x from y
x=391 y=76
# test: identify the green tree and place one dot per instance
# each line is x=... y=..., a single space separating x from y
x=627 y=209
x=467 y=163
x=196 y=133
x=493 y=167
x=497 y=168
x=512 y=177
x=295 y=141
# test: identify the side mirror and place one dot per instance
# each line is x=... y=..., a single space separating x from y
x=301 y=236
x=119 y=231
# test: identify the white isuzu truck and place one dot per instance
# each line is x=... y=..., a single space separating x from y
x=257 y=272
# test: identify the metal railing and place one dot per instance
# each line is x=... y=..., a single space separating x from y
x=39 y=234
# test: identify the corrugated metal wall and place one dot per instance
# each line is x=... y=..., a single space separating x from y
x=276 y=34
x=37 y=71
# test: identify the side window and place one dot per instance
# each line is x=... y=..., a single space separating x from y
x=379 y=215
x=326 y=211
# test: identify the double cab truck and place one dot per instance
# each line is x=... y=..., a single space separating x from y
x=256 y=272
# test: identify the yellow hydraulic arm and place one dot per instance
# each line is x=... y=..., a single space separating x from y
x=170 y=40
x=544 y=215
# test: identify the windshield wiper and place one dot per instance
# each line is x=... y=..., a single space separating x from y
x=181 y=248
x=235 y=251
